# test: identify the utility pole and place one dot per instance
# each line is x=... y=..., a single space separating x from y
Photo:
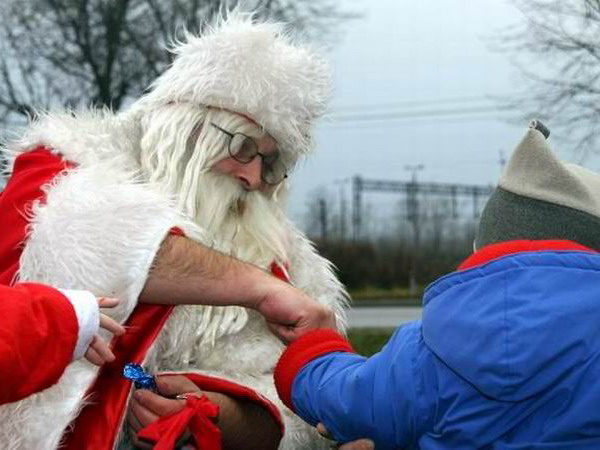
x=343 y=213
x=454 y=202
x=501 y=160
x=323 y=218
x=357 y=186
x=475 y=205
x=412 y=203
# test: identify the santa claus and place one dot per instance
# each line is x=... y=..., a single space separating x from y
x=177 y=201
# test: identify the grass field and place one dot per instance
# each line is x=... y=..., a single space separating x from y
x=368 y=341
x=375 y=293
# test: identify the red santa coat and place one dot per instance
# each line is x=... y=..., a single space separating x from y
x=39 y=336
x=42 y=329
x=96 y=226
x=95 y=427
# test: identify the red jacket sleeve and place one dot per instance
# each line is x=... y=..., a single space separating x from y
x=31 y=171
x=38 y=334
x=302 y=351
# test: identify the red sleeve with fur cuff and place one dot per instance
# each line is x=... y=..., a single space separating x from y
x=301 y=352
x=38 y=332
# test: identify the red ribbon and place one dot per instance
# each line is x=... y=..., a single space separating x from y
x=196 y=414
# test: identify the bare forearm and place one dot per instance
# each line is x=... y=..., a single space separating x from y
x=245 y=425
x=188 y=273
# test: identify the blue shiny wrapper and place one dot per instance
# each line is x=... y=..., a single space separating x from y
x=141 y=379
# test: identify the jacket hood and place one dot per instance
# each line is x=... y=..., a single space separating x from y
x=514 y=326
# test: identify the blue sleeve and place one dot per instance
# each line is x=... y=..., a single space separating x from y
x=356 y=397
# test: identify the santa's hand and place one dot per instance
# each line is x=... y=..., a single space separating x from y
x=290 y=313
x=99 y=352
x=147 y=407
x=360 y=444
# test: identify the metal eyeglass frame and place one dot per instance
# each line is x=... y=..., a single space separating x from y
x=264 y=165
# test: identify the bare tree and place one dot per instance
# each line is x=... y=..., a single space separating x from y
x=103 y=52
x=557 y=49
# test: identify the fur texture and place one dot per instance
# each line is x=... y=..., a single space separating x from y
x=143 y=171
x=252 y=68
x=100 y=229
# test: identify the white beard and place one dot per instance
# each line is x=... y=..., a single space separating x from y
x=176 y=156
x=243 y=224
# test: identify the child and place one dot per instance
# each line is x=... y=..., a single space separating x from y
x=507 y=354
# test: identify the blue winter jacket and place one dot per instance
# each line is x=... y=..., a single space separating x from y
x=506 y=356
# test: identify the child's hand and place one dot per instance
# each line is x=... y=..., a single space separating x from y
x=360 y=444
x=99 y=352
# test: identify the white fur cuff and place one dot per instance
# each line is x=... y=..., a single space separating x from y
x=88 y=317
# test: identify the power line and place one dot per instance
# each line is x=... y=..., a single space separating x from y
x=412 y=121
x=394 y=115
x=412 y=103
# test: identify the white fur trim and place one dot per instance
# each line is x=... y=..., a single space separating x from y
x=86 y=138
x=251 y=68
x=99 y=230
x=315 y=275
x=85 y=305
x=38 y=421
x=76 y=240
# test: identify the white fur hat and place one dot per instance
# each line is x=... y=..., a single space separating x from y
x=250 y=68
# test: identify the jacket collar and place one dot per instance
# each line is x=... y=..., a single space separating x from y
x=495 y=251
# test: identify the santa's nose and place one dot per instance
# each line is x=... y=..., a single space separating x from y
x=249 y=175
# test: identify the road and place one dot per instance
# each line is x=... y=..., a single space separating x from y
x=383 y=316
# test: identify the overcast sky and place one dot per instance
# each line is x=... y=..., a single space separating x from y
x=407 y=58
x=397 y=70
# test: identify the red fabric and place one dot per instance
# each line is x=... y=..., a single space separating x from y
x=494 y=251
x=308 y=347
x=207 y=384
x=176 y=231
x=24 y=364
x=38 y=334
x=279 y=272
x=98 y=424
x=32 y=171
x=212 y=384
x=197 y=414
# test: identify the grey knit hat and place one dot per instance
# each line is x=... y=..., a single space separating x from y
x=540 y=197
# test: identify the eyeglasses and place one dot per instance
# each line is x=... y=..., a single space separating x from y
x=244 y=149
